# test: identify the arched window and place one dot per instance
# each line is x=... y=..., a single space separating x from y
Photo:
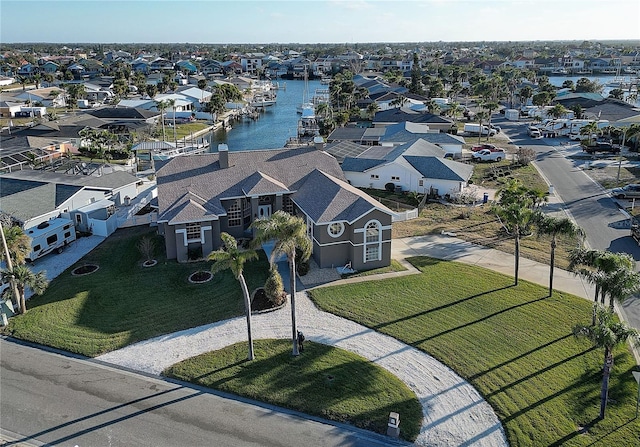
x=372 y=242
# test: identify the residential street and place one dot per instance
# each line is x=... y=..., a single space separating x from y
x=58 y=400
x=585 y=201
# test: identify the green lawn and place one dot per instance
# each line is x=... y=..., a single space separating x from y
x=512 y=343
x=122 y=302
x=322 y=381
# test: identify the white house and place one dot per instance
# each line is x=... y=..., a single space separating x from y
x=416 y=166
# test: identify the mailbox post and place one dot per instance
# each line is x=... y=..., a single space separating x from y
x=393 y=427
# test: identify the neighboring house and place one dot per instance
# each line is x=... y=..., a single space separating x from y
x=48 y=97
x=34 y=196
x=414 y=166
x=50 y=67
x=161 y=64
x=196 y=96
x=9 y=109
x=395 y=134
x=27 y=69
x=399 y=115
x=203 y=195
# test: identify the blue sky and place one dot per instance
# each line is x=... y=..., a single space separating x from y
x=316 y=21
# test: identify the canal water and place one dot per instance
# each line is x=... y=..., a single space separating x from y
x=274 y=126
x=279 y=122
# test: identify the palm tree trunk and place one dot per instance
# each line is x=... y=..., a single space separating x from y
x=23 y=301
x=292 y=288
x=606 y=373
x=595 y=305
x=517 y=254
x=552 y=264
x=247 y=306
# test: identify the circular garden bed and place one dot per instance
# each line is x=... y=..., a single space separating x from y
x=86 y=269
x=200 y=277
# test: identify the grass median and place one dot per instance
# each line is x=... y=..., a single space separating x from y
x=323 y=381
x=514 y=344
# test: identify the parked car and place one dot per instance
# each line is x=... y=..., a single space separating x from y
x=626 y=192
x=489 y=146
x=534 y=132
x=600 y=146
x=487 y=155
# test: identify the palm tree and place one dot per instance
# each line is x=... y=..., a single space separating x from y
x=18 y=244
x=481 y=116
x=290 y=235
x=590 y=130
x=372 y=109
x=162 y=106
x=171 y=103
x=24 y=277
x=606 y=333
x=558 y=111
x=490 y=107
x=233 y=258
x=611 y=273
x=517 y=209
x=554 y=227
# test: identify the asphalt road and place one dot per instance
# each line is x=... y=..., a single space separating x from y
x=58 y=400
x=587 y=203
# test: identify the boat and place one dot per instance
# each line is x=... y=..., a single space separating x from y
x=321 y=96
x=307 y=124
x=306 y=103
x=325 y=80
x=560 y=72
x=260 y=101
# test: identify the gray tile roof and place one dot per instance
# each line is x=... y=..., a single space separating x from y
x=30 y=193
x=403 y=114
x=25 y=200
x=325 y=199
x=261 y=171
x=360 y=164
x=440 y=168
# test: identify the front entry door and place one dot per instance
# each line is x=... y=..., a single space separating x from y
x=264 y=211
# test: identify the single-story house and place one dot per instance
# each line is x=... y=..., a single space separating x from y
x=201 y=196
x=396 y=134
x=402 y=114
x=34 y=196
x=416 y=166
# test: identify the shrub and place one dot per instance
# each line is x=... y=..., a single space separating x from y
x=273 y=287
x=147 y=248
x=526 y=155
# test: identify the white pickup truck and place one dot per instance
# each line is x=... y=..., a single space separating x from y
x=487 y=155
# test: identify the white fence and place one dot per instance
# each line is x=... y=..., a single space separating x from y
x=127 y=215
x=405 y=215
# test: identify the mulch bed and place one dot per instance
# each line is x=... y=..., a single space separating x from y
x=260 y=302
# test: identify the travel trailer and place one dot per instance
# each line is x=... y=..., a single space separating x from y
x=576 y=125
x=52 y=235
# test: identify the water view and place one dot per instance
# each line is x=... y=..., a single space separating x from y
x=275 y=125
x=279 y=122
